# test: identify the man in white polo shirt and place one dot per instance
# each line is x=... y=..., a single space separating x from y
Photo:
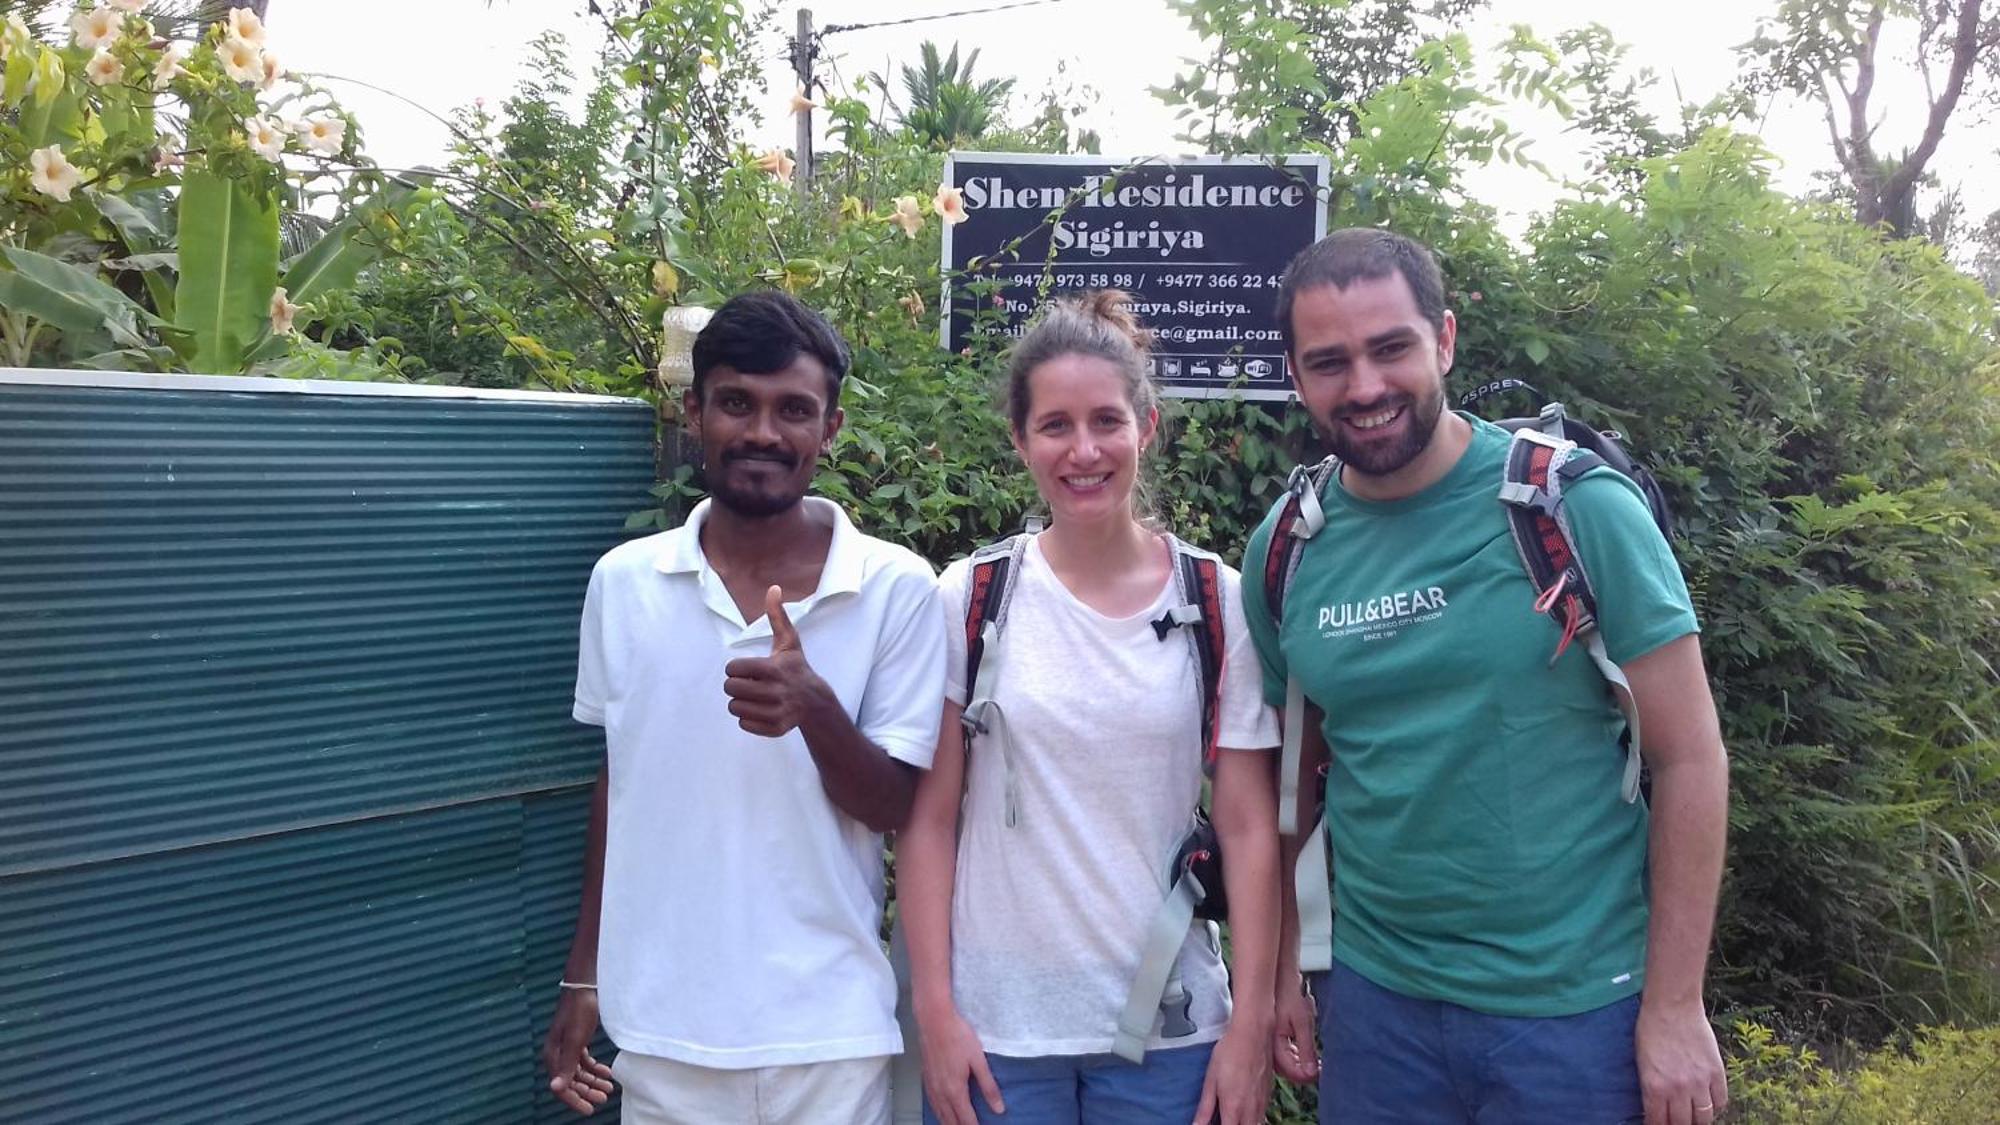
x=768 y=681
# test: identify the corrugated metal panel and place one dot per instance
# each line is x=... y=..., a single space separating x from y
x=290 y=805
x=326 y=975
x=224 y=614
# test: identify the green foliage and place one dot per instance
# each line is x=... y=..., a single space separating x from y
x=1947 y=1076
x=944 y=106
x=134 y=247
x=1222 y=464
x=1258 y=92
x=547 y=249
x=64 y=297
x=1822 y=406
x=1821 y=403
x=1359 y=48
x=228 y=268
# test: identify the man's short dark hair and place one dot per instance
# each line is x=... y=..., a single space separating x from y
x=1356 y=253
x=764 y=331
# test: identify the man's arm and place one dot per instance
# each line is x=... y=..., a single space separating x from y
x=776 y=694
x=578 y=1080
x=1680 y=1068
x=1294 y=1050
x=860 y=778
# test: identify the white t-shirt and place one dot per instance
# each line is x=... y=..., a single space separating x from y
x=741 y=909
x=1049 y=917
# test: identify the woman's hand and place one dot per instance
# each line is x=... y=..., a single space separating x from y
x=953 y=1061
x=1238 y=1086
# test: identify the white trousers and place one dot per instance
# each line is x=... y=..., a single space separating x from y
x=657 y=1091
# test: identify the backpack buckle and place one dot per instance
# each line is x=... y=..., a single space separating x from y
x=1174 y=618
x=1523 y=495
x=1551 y=419
x=973 y=718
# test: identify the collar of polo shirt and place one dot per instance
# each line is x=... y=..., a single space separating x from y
x=841 y=575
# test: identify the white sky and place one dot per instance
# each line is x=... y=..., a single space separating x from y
x=443 y=53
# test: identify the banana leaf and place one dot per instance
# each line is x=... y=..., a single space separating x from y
x=228 y=234
x=73 y=299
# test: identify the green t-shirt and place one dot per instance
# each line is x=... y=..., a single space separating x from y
x=1483 y=854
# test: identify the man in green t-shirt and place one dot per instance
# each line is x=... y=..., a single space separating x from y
x=1513 y=941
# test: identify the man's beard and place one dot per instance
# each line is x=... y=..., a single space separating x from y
x=751 y=502
x=1376 y=459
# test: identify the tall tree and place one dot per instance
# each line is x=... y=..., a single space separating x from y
x=946 y=104
x=1830 y=51
x=1361 y=46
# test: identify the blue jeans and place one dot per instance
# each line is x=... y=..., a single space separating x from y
x=1094 y=1089
x=1388 y=1058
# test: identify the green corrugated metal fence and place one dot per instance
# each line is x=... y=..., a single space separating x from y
x=291 y=805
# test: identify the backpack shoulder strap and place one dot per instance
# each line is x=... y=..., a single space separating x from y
x=1299 y=518
x=1198 y=575
x=991 y=590
x=989 y=593
x=1540 y=463
x=1538 y=466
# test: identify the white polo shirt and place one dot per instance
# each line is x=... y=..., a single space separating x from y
x=739 y=926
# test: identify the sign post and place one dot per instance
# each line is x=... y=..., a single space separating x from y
x=1199 y=242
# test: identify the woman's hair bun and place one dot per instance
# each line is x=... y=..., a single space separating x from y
x=1114 y=308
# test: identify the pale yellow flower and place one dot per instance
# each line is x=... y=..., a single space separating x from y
x=272 y=71
x=267 y=137
x=244 y=25
x=169 y=67
x=103 y=69
x=98 y=27
x=949 y=204
x=53 y=174
x=129 y=7
x=283 y=312
x=912 y=304
x=909 y=215
x=323 y=135
x=801 y=103
x=14 y=34
x=241 y=59
x=777 y=164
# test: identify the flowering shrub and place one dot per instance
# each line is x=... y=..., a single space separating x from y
x=140 y=219
x=1946 y=1076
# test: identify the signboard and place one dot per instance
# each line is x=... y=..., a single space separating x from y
x=1199 y=242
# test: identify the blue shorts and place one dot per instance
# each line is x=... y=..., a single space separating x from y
x=1388 y=1058
x=1094 y=1089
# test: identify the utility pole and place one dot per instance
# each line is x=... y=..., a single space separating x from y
x=802 y=64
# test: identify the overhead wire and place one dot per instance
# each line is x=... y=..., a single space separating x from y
x=836 y=28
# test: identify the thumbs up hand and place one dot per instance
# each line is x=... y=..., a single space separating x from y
x=771 y=695
x=784 y=636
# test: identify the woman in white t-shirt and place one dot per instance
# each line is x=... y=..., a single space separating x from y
x=1024 y=937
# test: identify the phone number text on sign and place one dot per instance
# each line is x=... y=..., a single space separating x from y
x=1199 y=243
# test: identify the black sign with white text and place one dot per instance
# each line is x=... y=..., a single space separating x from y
x=1199 y=242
